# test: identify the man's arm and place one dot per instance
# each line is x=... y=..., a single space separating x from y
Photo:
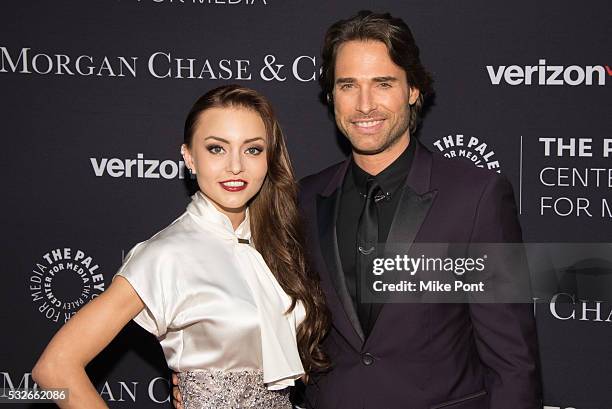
x=506 y=336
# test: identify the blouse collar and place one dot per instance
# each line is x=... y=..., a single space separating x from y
x=205 y=212
x=281 y=362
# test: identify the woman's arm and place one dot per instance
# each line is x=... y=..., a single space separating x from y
x=62 y=364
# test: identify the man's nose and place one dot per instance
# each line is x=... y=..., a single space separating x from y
x=366 y=103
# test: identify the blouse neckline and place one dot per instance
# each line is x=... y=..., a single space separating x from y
x=205 y=212
x=281 y=362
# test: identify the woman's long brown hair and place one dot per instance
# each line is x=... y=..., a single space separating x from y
x=276 y=227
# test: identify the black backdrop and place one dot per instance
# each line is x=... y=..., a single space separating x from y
x=90 y=89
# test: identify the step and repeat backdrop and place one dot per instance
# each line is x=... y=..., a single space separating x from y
x=92 y=103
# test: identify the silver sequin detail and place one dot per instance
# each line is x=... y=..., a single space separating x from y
x=214 y=389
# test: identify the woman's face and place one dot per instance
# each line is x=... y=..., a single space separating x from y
x=228 y=157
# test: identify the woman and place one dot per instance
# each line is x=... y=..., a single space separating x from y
x=225 y=287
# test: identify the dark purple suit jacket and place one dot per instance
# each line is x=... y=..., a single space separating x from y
x=424 y=356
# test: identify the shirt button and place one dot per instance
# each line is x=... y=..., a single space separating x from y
x=367 y=359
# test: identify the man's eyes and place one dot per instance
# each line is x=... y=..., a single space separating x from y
x=380 y=85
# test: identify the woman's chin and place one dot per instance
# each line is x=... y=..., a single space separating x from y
x=236 y=205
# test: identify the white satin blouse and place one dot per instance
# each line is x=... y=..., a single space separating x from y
x=212 y=301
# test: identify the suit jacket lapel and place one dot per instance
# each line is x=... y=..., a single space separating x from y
x=413 y=206
x=328 y=203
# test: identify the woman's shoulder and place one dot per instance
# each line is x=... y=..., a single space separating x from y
x=165 y=243
x=179 y=241
x=177 y=231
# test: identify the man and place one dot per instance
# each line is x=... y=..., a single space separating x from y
x=393 y=190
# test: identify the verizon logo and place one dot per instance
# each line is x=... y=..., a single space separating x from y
x=543 y=74
x=138 y=168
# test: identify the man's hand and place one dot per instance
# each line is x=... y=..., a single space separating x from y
x=176 y=393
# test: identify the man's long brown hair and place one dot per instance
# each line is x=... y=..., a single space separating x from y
x=403 y=51
x=275 y=220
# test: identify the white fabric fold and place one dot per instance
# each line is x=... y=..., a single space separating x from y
x=280 y=357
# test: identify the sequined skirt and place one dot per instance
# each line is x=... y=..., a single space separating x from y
x=214 y=389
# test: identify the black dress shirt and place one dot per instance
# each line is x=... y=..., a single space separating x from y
x=352 y=200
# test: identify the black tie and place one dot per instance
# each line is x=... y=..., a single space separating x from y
x=367 y=242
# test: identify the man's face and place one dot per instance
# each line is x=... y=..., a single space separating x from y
x=371 y=97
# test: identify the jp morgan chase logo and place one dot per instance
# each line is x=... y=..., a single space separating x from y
x=567 y=307
x=139 y=167
x=155 y=390
x=160 y=65
x=543 y=74
x=470 y=148
x=63 y=281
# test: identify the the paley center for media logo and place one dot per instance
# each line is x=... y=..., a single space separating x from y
x=64 y=280
x=470 y=148
x=544 y=74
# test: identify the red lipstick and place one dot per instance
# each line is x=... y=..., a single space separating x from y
x=234 y=185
